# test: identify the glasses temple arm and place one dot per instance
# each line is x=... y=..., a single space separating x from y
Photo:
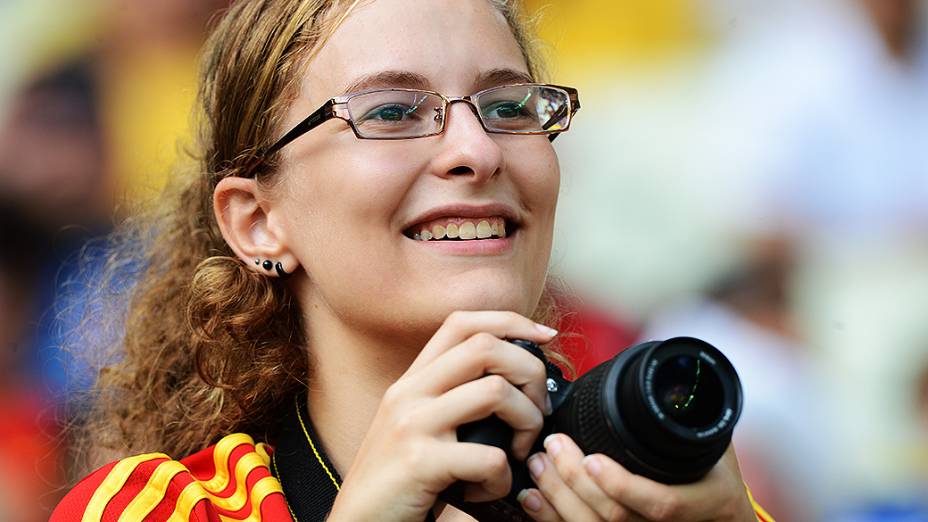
x=323 y=114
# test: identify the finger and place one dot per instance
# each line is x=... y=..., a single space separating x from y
x=653 y=500
x=486 y=396
x=568 y=460
x=564 y=500
x=483 y=354
x=537 y=506
x=484 y=467
x=460 y=325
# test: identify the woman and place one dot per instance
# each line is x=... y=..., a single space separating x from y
x=317 y=270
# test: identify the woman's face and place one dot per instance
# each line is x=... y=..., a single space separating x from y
x=347 y=207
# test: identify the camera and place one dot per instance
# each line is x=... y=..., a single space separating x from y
x=662 y=409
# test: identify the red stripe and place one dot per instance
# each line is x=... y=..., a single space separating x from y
x=250 y=481
x=201 y=464
x=761 y=517
x=234 y=457
x=275 y=507
x=165 y=508
x=73 y=505
x=136 y=482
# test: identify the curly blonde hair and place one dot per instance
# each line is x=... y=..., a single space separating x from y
x=206 y=346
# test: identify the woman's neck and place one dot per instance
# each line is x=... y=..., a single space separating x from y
x=350 y=371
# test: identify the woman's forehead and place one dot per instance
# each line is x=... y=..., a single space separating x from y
x=434 y=44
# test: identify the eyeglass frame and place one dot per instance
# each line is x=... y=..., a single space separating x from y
x=328 y=111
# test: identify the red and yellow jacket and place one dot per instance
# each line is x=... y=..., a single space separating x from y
x=227 y=482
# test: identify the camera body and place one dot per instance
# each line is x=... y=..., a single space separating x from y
x=662 y=409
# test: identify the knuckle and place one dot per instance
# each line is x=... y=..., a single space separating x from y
x=484 y=344
x=537 y=422
x=393 y=396
x=416 y=457
x=538 y=370
x=455 y=317
x=569 y=474
x=496 y=461
x=497 y=387
x=404 y=424
x=615 y=513
x=666 y=509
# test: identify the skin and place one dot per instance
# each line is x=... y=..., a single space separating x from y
x=419 y=331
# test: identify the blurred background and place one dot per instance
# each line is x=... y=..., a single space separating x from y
x=751 y=172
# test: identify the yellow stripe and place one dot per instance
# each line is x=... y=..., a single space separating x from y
x=236 y=500
x=189 y=496
x=194 y=493
x=757 y=507
x=154 y=491
x=262 y=489
x=221 y=454
x=313 y=446
x=114 y=482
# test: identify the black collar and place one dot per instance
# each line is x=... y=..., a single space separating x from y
x=306 y=474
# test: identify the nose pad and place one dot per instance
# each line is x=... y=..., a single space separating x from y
x=468 y=150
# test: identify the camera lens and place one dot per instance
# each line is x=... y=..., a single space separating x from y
x=663 y=409
x=688 y=392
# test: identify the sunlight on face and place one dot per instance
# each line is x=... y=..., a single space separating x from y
x=349 y=206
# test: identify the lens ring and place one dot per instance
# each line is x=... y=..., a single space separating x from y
x=721 y=407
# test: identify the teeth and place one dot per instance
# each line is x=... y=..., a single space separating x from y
x=467 y=230
x=483 y=230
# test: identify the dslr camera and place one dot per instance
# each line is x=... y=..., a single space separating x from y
x=662 y=409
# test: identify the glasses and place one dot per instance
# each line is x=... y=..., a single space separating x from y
x=399 y=114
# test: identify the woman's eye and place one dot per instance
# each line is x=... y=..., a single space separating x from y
x=505 y=110
x=389 y=113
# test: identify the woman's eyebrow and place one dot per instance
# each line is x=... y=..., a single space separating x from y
x=495 y=77
x=405 y=79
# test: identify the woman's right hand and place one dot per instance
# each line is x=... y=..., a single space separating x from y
x=465 y=373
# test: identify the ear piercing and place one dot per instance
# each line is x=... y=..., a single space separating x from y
x=267 y=264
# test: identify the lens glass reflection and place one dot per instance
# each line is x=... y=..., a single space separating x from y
x=688 y=391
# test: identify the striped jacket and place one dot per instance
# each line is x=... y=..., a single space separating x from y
x=227 y=482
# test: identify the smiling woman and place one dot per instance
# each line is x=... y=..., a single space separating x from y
x=372 y=222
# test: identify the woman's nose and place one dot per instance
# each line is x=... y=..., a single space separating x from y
x=466 y=149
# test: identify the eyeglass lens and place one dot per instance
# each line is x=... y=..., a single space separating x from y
x=508 y=109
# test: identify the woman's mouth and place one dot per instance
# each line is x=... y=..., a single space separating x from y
x=461 y=229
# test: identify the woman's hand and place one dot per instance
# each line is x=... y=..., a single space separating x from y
x=574 y=487
x=465 y=373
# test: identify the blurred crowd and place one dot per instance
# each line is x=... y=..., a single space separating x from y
x=750 y=172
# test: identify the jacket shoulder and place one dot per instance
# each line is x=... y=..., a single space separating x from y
x=231 y=480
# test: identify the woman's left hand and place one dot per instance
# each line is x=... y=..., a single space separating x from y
x=573 y=487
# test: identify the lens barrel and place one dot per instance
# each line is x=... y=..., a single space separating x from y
x=663 y=409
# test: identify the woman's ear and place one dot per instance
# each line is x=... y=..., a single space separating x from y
x=242 y=213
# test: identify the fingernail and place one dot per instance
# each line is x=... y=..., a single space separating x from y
x=536 y=465
x=529 y=501
x=553 y=445
x=549 y=409
x=592 y=466
x=550 y=332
